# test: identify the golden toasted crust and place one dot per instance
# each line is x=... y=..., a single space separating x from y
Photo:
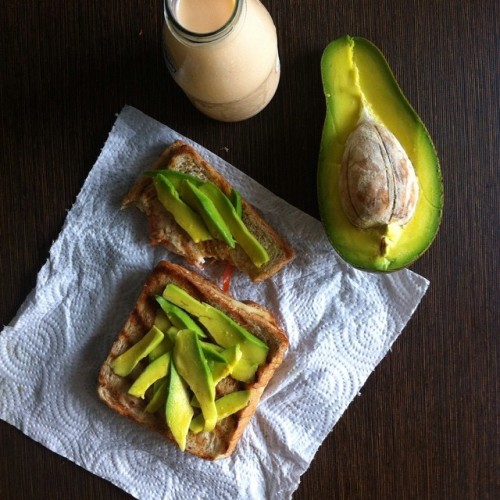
x=112 y=389
x=163 y=230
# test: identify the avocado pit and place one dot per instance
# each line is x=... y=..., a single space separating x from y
x=377 y=184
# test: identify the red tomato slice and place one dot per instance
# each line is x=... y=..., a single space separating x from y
x=226 y=278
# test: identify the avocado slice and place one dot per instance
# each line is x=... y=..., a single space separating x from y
x=178 y=296
x=224 y=330
x=175 y=177
x=179 y=318
x=178 y=409
x=193 y=368
x=128 y=360
x=161 y=321
x=226 y=406
x=172 y=333
x=153 y=372
x=244 y=370
x=227 y=333
x=236 y=201
x=248 y=242
x=212 y=352
x=187 y=218
x=357 y=80
x=164 y=346
x=202 y=204
x=159 y=396
x=231 y=355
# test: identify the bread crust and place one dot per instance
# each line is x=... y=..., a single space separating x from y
x=163 y=230
x=112 y=389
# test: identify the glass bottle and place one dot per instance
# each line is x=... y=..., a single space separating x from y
x=224 y=58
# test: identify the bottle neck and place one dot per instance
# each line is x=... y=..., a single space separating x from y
x=170 y=8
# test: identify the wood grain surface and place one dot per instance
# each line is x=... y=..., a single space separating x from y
x=426 y=423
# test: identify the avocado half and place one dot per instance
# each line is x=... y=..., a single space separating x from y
x=356 y=78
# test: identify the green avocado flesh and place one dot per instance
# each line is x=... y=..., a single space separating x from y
x=159 y=397
x=356 y=78
x=178 y=317
x=235 y=224
x=205 y=212
x=178 y=409
x=153 y=372
x=225 y=331
x=183 y=214
x=177 y=365
x=203 y=205
x=226 y=405
x=126 y=362
x=193 y=368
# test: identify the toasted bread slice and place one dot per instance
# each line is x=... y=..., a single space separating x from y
x=112 y=389
x=164 y=230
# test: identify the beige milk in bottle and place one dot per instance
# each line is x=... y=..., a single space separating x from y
x=223 y=54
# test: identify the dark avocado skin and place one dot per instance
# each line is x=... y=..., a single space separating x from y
x=356 y=77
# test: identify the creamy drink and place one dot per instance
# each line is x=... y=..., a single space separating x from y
x=204 y=16
x=223 y=54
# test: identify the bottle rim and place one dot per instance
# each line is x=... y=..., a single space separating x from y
x=171 y=19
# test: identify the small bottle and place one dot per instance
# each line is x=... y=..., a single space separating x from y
x=223 y=54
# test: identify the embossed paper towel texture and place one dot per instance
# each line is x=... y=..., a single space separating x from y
x=341 y=323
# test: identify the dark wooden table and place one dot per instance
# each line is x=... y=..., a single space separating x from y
x=426 y=424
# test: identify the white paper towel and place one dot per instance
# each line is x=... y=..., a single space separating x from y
x=341 y=322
